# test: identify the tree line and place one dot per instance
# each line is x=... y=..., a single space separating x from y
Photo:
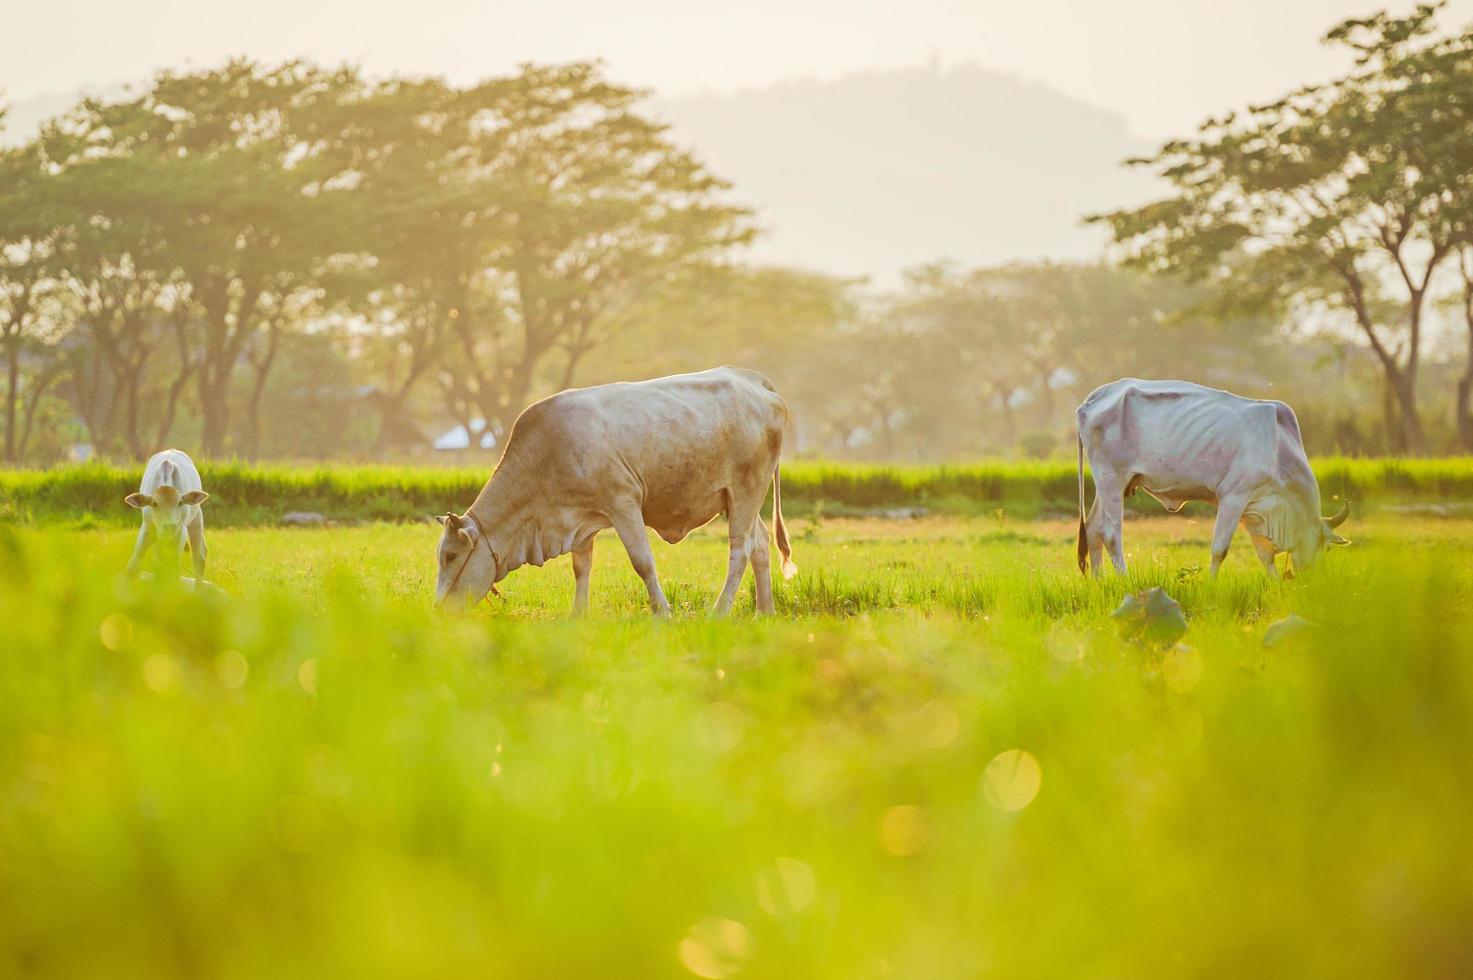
x=1353 y=197
x=298 y=261
x=160 y=249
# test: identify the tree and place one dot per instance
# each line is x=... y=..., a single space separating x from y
x=1325 y=197
x=217 y=175
x=1463 y=403
x=770 y=319
x=428 y=222
x=1436 y=88
x=527 y=212
x=29 y=252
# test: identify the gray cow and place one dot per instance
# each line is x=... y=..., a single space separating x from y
x=1180 y=441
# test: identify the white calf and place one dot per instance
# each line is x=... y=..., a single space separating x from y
x=170 y=495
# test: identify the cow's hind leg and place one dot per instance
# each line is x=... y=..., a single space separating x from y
x=582 y=571
x=632 y=534
x=759 y=548
x=1229 y=513
x=1094 y=542
x=1106 y=525
x=741 y=513
x=743 y=504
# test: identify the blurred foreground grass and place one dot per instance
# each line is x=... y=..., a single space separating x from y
x=938 y=761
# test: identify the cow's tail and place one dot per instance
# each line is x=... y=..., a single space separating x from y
x=1083 y=548
x=781 y=529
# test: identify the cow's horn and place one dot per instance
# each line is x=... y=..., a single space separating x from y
x=1339 y=518
x=452 y=519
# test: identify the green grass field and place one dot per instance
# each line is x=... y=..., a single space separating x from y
x=245 y=495
x=939 y=760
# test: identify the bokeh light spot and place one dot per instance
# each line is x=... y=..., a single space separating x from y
x=1066 y=647
x=160 y=673
x=716 y=948
x=937 y=724
x=232 y=669
x=722 y=726
x=116 y=631
x=1181 y=668
x=903 y=830
x=307 y=675
x=1012 y=780
x=786 y=887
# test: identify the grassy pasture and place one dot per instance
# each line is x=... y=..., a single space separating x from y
x=939 y=760
x=249 y=494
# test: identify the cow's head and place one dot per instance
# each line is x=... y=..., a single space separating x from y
x=1320 y=535
x=165 y=508
x=465 y=564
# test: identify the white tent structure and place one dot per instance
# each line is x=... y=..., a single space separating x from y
x=460 y=438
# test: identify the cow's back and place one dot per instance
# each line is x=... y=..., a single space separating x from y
x=1177 y=432
x=172 y=467
x=672 y=444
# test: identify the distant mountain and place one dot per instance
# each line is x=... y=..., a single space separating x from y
x=873 y=172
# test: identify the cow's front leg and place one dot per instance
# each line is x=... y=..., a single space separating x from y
x=1266 y=553
x=582 y=571
x=197 y=549
x=1229 y=513
x=631 y=532
x=140 y=548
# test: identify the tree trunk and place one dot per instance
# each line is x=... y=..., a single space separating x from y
x=12 y=395
x=227 y=327
x=214 y=405
x=1463 y=409
x=20 y=310
x=171 y=406
x=1009 y=422
x=1410 y=434
x=39 y=386
x=180 y=322
x=1464 y=406
x=1404 y=425
x=258 y=388
x=131 y=420
x=1046 y=395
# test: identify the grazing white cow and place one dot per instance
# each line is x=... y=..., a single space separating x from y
x=170 y=496
x=1180 y=441
x=670 y=453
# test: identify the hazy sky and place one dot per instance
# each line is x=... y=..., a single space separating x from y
x=1165 y=64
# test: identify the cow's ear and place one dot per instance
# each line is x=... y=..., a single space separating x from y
x=1338 y=540
x=195 y=497
x=139 y=500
